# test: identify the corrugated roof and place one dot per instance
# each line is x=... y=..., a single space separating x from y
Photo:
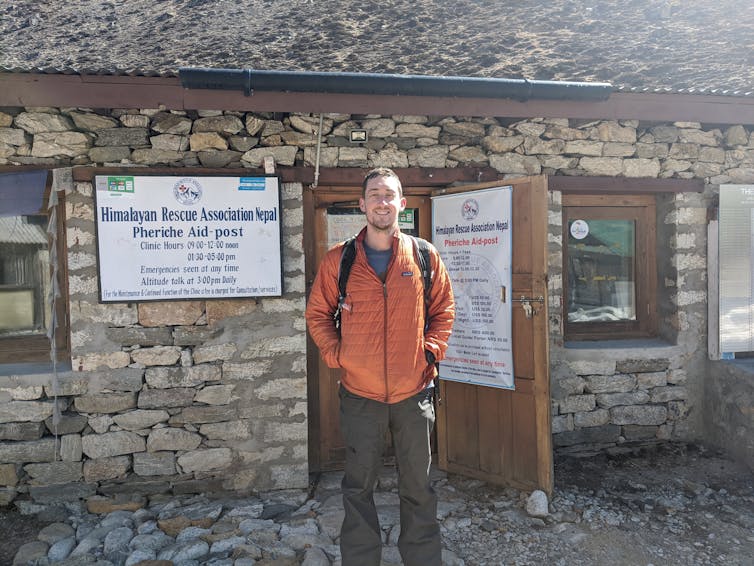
x=658 y=46
x=16 y=230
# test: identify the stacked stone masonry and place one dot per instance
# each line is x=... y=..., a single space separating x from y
x=195 y=395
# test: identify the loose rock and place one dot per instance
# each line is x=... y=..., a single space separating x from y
x=680 y=506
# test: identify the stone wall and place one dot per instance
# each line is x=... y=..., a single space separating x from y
x=729 y=408
x=170 y=396
x=187 y=396
x=162 y=397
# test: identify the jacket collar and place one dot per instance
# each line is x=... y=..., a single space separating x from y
x=397 y=237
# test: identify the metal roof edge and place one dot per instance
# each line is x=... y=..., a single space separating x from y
x=116 y=72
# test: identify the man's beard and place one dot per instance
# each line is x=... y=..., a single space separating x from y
x=383 y=224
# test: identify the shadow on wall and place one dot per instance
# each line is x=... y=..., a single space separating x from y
x=729 y=408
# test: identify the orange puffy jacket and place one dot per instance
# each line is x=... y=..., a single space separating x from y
x=383 y=338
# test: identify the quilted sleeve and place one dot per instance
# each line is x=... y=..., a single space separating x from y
x=441 y=309
x=323 y=302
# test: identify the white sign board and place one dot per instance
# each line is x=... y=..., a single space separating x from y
x=162 y=238
x=472 y=232
x=736 y=268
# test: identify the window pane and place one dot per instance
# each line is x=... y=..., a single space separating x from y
x=23 y=275
x=601 y=270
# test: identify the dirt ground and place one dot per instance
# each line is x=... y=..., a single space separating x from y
x=15 y=531
x=674 y=505
x=677 y=505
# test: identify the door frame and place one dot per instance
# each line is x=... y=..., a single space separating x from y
x=314 y=204
x=539 y=387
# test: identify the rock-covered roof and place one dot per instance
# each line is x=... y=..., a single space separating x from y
x=697 y=46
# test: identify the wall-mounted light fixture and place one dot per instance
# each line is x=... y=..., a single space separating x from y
x=357 y=136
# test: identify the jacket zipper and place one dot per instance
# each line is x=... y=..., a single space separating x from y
x=384 y=317
x=384 y=329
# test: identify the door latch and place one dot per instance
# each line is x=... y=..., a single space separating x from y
x=526 y=302
x=528 y=309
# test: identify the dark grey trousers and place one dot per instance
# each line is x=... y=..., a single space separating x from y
x=364 y=423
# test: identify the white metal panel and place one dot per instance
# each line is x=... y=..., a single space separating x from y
x=736 y=245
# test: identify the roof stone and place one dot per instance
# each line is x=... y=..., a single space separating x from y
x=689 y=46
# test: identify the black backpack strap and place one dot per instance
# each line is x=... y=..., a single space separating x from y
x=347 y=255
x=424 y=259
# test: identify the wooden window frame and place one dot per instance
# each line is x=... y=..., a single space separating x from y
x=36 y=349
x=642 y=210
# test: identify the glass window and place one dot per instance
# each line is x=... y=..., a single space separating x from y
x=609 y=266
x=601 y=270
x=24 y=276
x=26 y=317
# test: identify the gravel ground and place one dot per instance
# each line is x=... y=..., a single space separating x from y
x=676 y=505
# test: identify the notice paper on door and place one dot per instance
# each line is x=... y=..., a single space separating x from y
x=472 y=232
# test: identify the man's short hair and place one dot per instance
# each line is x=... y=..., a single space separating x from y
x=381 y=172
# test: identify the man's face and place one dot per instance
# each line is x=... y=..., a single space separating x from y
x=382 y=202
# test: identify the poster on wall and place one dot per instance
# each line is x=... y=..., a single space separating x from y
x=163 y=238
x=472 y=232
x=344 y=223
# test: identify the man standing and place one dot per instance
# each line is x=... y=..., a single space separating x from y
x=387 y=345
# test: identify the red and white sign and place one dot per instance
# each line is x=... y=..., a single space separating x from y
x=472 y=232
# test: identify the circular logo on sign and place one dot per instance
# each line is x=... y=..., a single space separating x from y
x=579 y=229
x=469 y=209
x=187 y=191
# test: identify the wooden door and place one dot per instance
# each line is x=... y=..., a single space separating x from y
x=326 y=445
x=496 y=435
x=504 y=436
